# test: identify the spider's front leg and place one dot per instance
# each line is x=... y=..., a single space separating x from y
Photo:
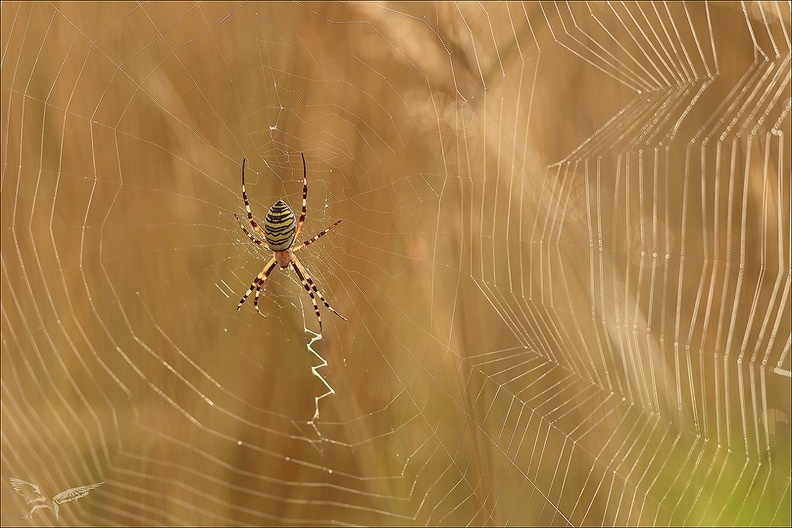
x=257 y=284
x=312 y=290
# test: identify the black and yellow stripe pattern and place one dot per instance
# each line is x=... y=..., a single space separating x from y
x=280 y=227
x=280 y=231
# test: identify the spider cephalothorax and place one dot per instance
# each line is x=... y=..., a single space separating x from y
x=280 y=232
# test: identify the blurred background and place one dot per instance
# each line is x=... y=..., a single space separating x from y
x=564 y=258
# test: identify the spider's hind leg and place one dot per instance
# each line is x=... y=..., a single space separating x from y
x=304 y=211
x=253 y=223
x=314 y=239
x=249 y=235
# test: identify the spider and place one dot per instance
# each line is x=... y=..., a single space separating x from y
x=280 y=233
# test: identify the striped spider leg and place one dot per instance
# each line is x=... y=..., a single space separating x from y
x=279 y=233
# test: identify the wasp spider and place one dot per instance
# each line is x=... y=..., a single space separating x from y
x=280 y=232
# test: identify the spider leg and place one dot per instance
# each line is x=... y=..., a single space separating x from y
x=305 y=199
x=251 y=237
x=247 y=205
x=312 y=290
x=314 y=239
x=257 y=284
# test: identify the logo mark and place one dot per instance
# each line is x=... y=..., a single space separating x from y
x=32 y=495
